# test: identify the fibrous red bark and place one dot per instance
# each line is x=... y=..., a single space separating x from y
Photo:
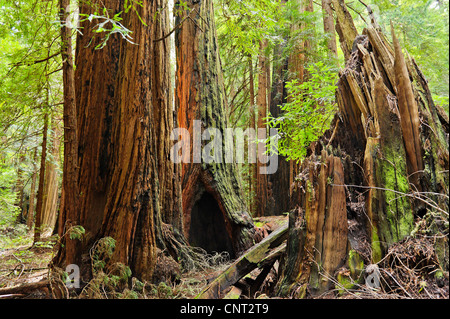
x=200 y=97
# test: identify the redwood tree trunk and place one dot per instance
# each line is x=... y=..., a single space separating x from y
x=378 y=173
x=31 y=207
x=41 y=190
x=253 y=172
x=50 y=205
x=263 y=207
x=69 y=213
x=118 y=89
x=208 y=188
x=280 y=182
x=328 y=25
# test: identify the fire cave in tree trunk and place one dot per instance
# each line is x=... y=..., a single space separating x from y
x=207 y=226
x=200 y=96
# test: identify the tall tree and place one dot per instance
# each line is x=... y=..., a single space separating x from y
x=32 y=205
x=41 y=186
x=118 y=185
x=50 y=205
x=214 y=211
x=328 y=26
x=289 y=68
x=263 y=207
x=69 y=206
x=344 y=27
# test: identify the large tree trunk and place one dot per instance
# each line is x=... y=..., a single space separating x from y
x=215 y=213
x=118 y=89
x=19 y=189
x=382 y=168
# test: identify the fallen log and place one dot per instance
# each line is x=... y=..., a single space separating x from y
x=25 y=288
x=12 y=296
x=259 y=255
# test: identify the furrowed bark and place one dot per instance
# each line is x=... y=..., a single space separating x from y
x=377 y=147
x=262 y=195
x=328 y=25
x=50 y=205
x=41 y=191
x=345 y=27
x=119 y=177
x=214 y=186
x=69 y=206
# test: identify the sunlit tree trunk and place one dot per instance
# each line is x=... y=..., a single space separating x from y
x=50 y=205
x=41 y=190
x=328 y=25
x=31 y=207
x=263 y=207
x=70 y=194
x=252 y=176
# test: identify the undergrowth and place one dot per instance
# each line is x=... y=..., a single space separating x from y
x=116 y=281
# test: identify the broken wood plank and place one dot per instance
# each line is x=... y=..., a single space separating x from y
x=266 y=266
x=251 y=259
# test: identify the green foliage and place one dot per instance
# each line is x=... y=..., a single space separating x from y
x=105 y=23
x=102 y=252
x=76 y=232
x=8 y=210
x=308 y=112
x=245 y=23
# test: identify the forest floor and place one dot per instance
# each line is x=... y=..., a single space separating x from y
x=409 y=271
x=24 y=265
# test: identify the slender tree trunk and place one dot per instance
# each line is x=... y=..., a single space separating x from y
x=213 y=205
x=31 y=207
x=253 y=172
x=344 y=27
x=50 y=205
x=328 y=25
x=41 y=190
x=18 y=188
x=70 y=200
x=262 y=187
